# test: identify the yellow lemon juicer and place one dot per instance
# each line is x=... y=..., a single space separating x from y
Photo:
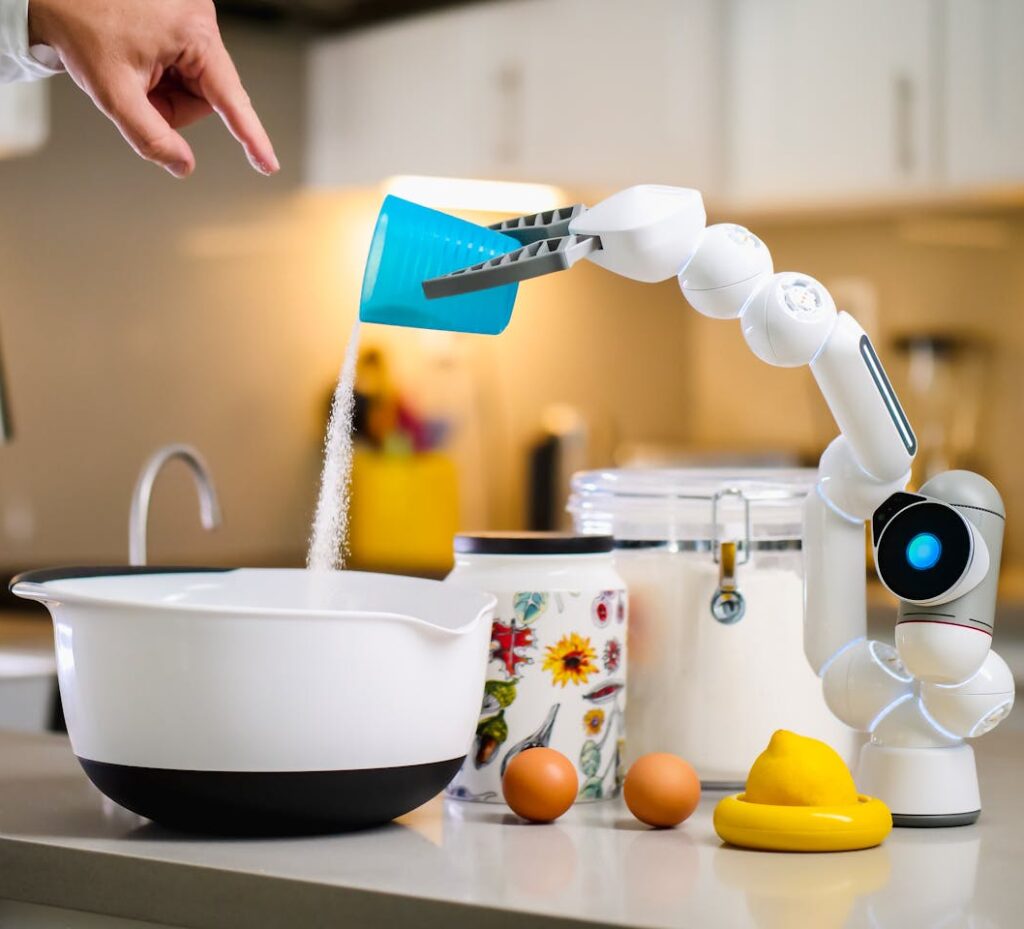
x=801 y=797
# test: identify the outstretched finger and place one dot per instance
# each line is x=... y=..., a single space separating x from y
x=220 y=85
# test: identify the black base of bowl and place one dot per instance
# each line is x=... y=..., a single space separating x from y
x=270 y=803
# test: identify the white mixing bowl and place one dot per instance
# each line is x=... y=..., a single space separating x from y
x=265 y=700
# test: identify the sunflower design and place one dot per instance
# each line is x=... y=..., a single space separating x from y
x=572 y=660
x=593 y=721
x=612 y=656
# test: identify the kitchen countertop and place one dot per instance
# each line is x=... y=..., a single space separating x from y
x=62 y=844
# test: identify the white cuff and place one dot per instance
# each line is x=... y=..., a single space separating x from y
x=17 y=61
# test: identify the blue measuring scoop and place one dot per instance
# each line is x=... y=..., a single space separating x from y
x=413 y=243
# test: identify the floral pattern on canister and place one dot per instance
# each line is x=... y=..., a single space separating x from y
x=529 y=605
x=491 y=734
x=602 y=774
x=604 y=608
x=510 y=645
x=593 y=722
x=604 y=691
x=611 y=657
x=492 y=730
x=556 y=676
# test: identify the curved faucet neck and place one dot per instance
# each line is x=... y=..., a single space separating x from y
x=138 y=521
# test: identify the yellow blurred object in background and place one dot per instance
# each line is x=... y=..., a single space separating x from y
x=404 y=511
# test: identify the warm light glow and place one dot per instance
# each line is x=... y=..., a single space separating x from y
x=459 y=193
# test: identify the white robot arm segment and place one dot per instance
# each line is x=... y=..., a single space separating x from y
x=976 y=706
x=646 y=232
x=733 y=264
x=790 y=320
x=863 y=403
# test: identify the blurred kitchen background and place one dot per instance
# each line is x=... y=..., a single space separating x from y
x=878 y=146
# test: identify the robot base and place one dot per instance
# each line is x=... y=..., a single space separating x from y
x=923 y=787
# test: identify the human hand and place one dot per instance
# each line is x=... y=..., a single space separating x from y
x=153 y=67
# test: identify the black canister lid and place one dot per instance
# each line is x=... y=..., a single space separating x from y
x=531 y=543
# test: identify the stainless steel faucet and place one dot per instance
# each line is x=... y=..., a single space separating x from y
x=209 y=508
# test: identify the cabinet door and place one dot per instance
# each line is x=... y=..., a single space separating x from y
x=984 y=88
x=617 y=93
x=402 y=98
x=828 y=99
x=570 y=92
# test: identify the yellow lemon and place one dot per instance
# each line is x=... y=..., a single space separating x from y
x=795 y=770
x=800 y=797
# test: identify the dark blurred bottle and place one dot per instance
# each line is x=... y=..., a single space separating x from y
x=558 y=452
x=941 y=381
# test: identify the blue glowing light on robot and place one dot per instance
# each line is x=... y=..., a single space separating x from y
x=924 y=551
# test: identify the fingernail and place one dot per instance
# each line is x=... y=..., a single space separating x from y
x=179 y=169
x=265 y=168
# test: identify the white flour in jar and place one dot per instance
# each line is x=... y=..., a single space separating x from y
x=714 y=693
x=328 y=542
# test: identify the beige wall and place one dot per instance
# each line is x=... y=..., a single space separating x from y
x=137 y=310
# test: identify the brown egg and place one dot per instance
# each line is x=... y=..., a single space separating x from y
x=661 y=789
x=540 y=784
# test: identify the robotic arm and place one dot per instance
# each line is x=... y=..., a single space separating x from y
x=937 y=550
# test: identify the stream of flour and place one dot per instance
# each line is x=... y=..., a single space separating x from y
x=328 y=543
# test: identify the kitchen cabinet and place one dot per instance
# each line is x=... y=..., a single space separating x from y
x=617 y=94
x=569 y=92
x=828 y=99
x=983 y=128
x=759 y=103
x=376 y=109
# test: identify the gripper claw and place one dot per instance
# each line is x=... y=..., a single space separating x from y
x=534 y=260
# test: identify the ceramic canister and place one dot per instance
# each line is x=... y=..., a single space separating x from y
x=556 y=675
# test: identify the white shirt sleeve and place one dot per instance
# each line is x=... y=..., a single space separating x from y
x=18 y=62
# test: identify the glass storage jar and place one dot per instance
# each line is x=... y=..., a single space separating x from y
x=556 y=675
x=712 y=561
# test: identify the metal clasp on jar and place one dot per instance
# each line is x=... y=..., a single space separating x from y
x=728 y=604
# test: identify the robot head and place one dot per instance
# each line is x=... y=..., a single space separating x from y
x=938 y=551
x=926 y=551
